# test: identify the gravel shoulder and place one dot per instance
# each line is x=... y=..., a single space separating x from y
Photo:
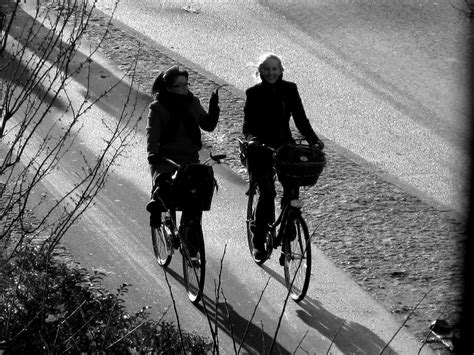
x=399 y=248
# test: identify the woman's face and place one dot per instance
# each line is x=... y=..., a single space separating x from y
x=270 y=70
x=180 y=86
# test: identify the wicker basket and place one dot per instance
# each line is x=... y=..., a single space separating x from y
x=299 y=164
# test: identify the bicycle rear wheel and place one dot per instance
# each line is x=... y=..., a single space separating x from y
x=162 y=244
x=194 y=262
x=297 y=256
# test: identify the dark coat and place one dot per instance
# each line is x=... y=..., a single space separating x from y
x=267 y=113
x=173 y=128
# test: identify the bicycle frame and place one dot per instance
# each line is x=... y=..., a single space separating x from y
x=283 y=216
x=290 y=232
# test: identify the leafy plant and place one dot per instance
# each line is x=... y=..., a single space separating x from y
x=49 y=306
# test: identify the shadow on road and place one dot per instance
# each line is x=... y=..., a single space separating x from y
x=252 y=336
x=92 y=75
x=348 y=337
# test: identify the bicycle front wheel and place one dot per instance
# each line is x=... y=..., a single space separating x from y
x=162 y=245
x=297 y=256
x=194 y=262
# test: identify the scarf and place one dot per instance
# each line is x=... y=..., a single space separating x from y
x=178 y=106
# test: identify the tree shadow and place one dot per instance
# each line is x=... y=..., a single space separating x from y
x=348 y=337
x=93 y=76
x=14 y=70
x=252 y=336
x=255 y=340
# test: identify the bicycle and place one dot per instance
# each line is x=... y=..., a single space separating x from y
x=289 y=230
x=168 y=237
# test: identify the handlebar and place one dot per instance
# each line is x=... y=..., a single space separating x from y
x=216 y=158
x=245 y=143
x=172 y=162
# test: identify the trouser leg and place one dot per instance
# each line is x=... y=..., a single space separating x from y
x=160 y=193
x=260 y=163
x=265 y=210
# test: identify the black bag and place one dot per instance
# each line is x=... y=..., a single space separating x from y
x=193 y=187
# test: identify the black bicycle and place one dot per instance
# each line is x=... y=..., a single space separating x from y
x=187 y=188
x=301 y=165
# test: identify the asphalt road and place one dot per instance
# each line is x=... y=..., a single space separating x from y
x=384 y=79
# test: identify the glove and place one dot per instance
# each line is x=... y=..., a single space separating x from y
x=214 y=101
x=319 y=145
x=254 y=142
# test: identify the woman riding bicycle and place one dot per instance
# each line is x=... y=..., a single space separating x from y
x=268 y=108
x=173 y=131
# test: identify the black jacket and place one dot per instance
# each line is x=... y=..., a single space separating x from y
x=267 y=112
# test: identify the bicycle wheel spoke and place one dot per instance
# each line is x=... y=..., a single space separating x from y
x=162 y=246
x=194 y=268
x=297 y=256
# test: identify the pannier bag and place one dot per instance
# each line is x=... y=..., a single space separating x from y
x=299 y=164
x=193 y=187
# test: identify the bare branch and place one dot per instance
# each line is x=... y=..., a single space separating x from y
x=405 y=321
x=253 y=315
